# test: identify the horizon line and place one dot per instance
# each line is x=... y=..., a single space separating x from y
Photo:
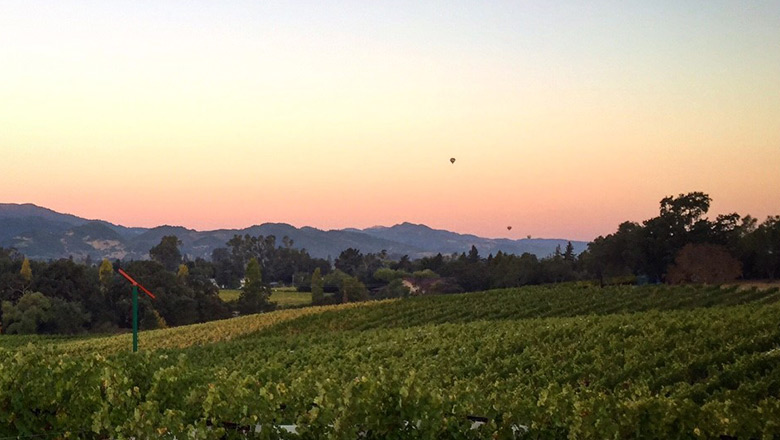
x=345 y=229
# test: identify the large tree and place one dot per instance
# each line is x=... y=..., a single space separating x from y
x=352 y=289
x=766 y=244
x=349 y=261
x=704 y=263
x=35 y=313
x=228 y=271
x=317 y=287
x=255 y=294
x=167 y=252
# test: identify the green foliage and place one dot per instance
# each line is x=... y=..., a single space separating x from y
x=26 y=271
x=352 y=289
x=317 y=287
x=167 y=252
x=28 y=315
x=177 y=303
x=766 y=245
x=255 y=294
x=228 y=295
x=395 y=289
x=278 y=263
x=67 y=280
x=183 y=273
x=281 y=297
x=227 y=270
x=105 y=274
x=350 y=261
x=254 y=299
x=254 y=274
x=103 y=299
x=685 y=210
x=387 y=275
x=542 y=363
x=152 y=320
x=35 y=313
x=650 y=249
x=287 y=297
x=66 y=318
x=332 y=281
x=425 y=274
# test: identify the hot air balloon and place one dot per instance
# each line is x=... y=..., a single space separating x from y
x=508 y=228
x=452 y=160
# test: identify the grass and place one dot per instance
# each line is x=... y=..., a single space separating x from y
x=288 y=297
x=228 y=295
x=283 y=296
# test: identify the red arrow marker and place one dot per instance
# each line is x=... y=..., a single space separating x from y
x=136 y=283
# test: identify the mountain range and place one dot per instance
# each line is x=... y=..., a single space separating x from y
x=43 y=234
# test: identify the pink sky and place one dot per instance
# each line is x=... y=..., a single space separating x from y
x=565 y=119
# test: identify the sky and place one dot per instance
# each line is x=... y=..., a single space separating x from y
x=565 y=118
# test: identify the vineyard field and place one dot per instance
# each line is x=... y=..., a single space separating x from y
x=544 y=362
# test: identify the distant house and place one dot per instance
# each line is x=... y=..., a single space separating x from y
x=420 y=286
x=426 y=286
x=414 y=289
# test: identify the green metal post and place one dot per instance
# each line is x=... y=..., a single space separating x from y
x=135 y=319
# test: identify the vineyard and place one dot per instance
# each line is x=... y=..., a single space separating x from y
x=543 y=363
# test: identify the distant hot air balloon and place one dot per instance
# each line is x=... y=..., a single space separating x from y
x=452 y=160
x=508 y=228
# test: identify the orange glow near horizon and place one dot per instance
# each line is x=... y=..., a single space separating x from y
x=227 y=116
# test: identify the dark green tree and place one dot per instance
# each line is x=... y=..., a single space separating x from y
x=617 y=254
x=349 y=261
x=680 y=222
x=403 y=264
x=176 y=303
x=568 y=254
x=317 y=287
x=352 y=290
x=67 y=280
x=35 y=313
x=685 y=210
x=27 y=316
x=473 y=256
x=254 y=297
x=766 y=243
x=434 y=263
x=228 y=270
x=167 y=252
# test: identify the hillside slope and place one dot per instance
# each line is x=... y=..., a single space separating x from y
x=547 y=362
x=43 y=234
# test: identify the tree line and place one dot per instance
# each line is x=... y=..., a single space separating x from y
x=679 y=245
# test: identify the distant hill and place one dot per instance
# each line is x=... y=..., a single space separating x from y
x=446 y=242
x=43 y=234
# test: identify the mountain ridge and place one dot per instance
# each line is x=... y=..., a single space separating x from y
x=42 y=233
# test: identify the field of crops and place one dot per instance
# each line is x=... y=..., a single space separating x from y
x=282 y=296
x=543 y=362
